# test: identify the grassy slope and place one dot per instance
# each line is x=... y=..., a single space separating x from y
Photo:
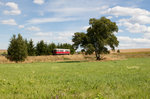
x=126 y=79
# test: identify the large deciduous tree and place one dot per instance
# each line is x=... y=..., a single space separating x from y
x=99 y=36
x=17 y=50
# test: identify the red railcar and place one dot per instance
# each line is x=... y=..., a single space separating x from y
x=58 y=51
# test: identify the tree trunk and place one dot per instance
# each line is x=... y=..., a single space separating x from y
x=98 y=56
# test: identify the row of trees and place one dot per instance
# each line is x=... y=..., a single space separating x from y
x=20 y=48
x=43 y=48
x=100 y=35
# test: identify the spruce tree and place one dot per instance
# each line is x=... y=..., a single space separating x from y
x=51 y=47
x=17 y=50
x=31 y=48
x=41 y=48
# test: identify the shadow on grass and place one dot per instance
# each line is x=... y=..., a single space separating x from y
x=70 y=62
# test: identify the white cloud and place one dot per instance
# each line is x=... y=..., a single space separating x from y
x=137 y=21
x=76 y=11
x=1 y=3
x=65 y=34
x=14 y=9
x=120 y=31
x=146 y=35
x=12 y=12
x=128 y=42
x=126 y=11
x=136 y=15
x=85 y=28
x=109 y=17
x=56 y=37
x=49 y=20
x=134 y=27
x=141 y=19
x=12 y=5
x=9 y=22
x=33 y=28
x=43 y=34
x=21 y=26
x=38 y=1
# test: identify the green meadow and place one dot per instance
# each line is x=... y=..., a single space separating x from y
x=121 y=79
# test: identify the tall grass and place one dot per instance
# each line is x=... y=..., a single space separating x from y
x=124 y=79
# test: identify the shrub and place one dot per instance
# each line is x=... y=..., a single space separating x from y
x=118 y=51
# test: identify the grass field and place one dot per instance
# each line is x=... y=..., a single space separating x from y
x=124 y=79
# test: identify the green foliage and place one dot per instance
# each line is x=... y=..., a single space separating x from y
x=83 y=51
x=68 y=46
x=17 y=50
x=30 y=48
x=118 y=51
x=89 y=49
x=3 y=54
x=99 y=36
x=99 y=96
x=51 y=47
x=122 y=79
x=41 y=48
x=79 y=39
x=47 y=49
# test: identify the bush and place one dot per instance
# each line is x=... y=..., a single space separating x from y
x=118 y=51
x=4 y=54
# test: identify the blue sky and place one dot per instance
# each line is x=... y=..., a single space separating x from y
x=57 y=20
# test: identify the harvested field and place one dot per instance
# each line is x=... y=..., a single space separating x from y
x=54 y=58
x=49 y=58
x=133 y=50
x=124 y=54
x=2 y=51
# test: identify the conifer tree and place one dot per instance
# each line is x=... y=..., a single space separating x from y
x=17 y=50
x=31 y=48
x=41 y=48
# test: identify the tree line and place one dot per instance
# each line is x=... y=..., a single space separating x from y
x=20 y=48
x=97 y=39
x=42 y=48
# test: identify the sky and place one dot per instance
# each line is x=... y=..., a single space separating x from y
x=57 y=20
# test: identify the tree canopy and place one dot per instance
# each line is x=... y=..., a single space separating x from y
x=100 y=35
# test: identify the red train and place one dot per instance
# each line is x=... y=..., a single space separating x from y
x=58 y=51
